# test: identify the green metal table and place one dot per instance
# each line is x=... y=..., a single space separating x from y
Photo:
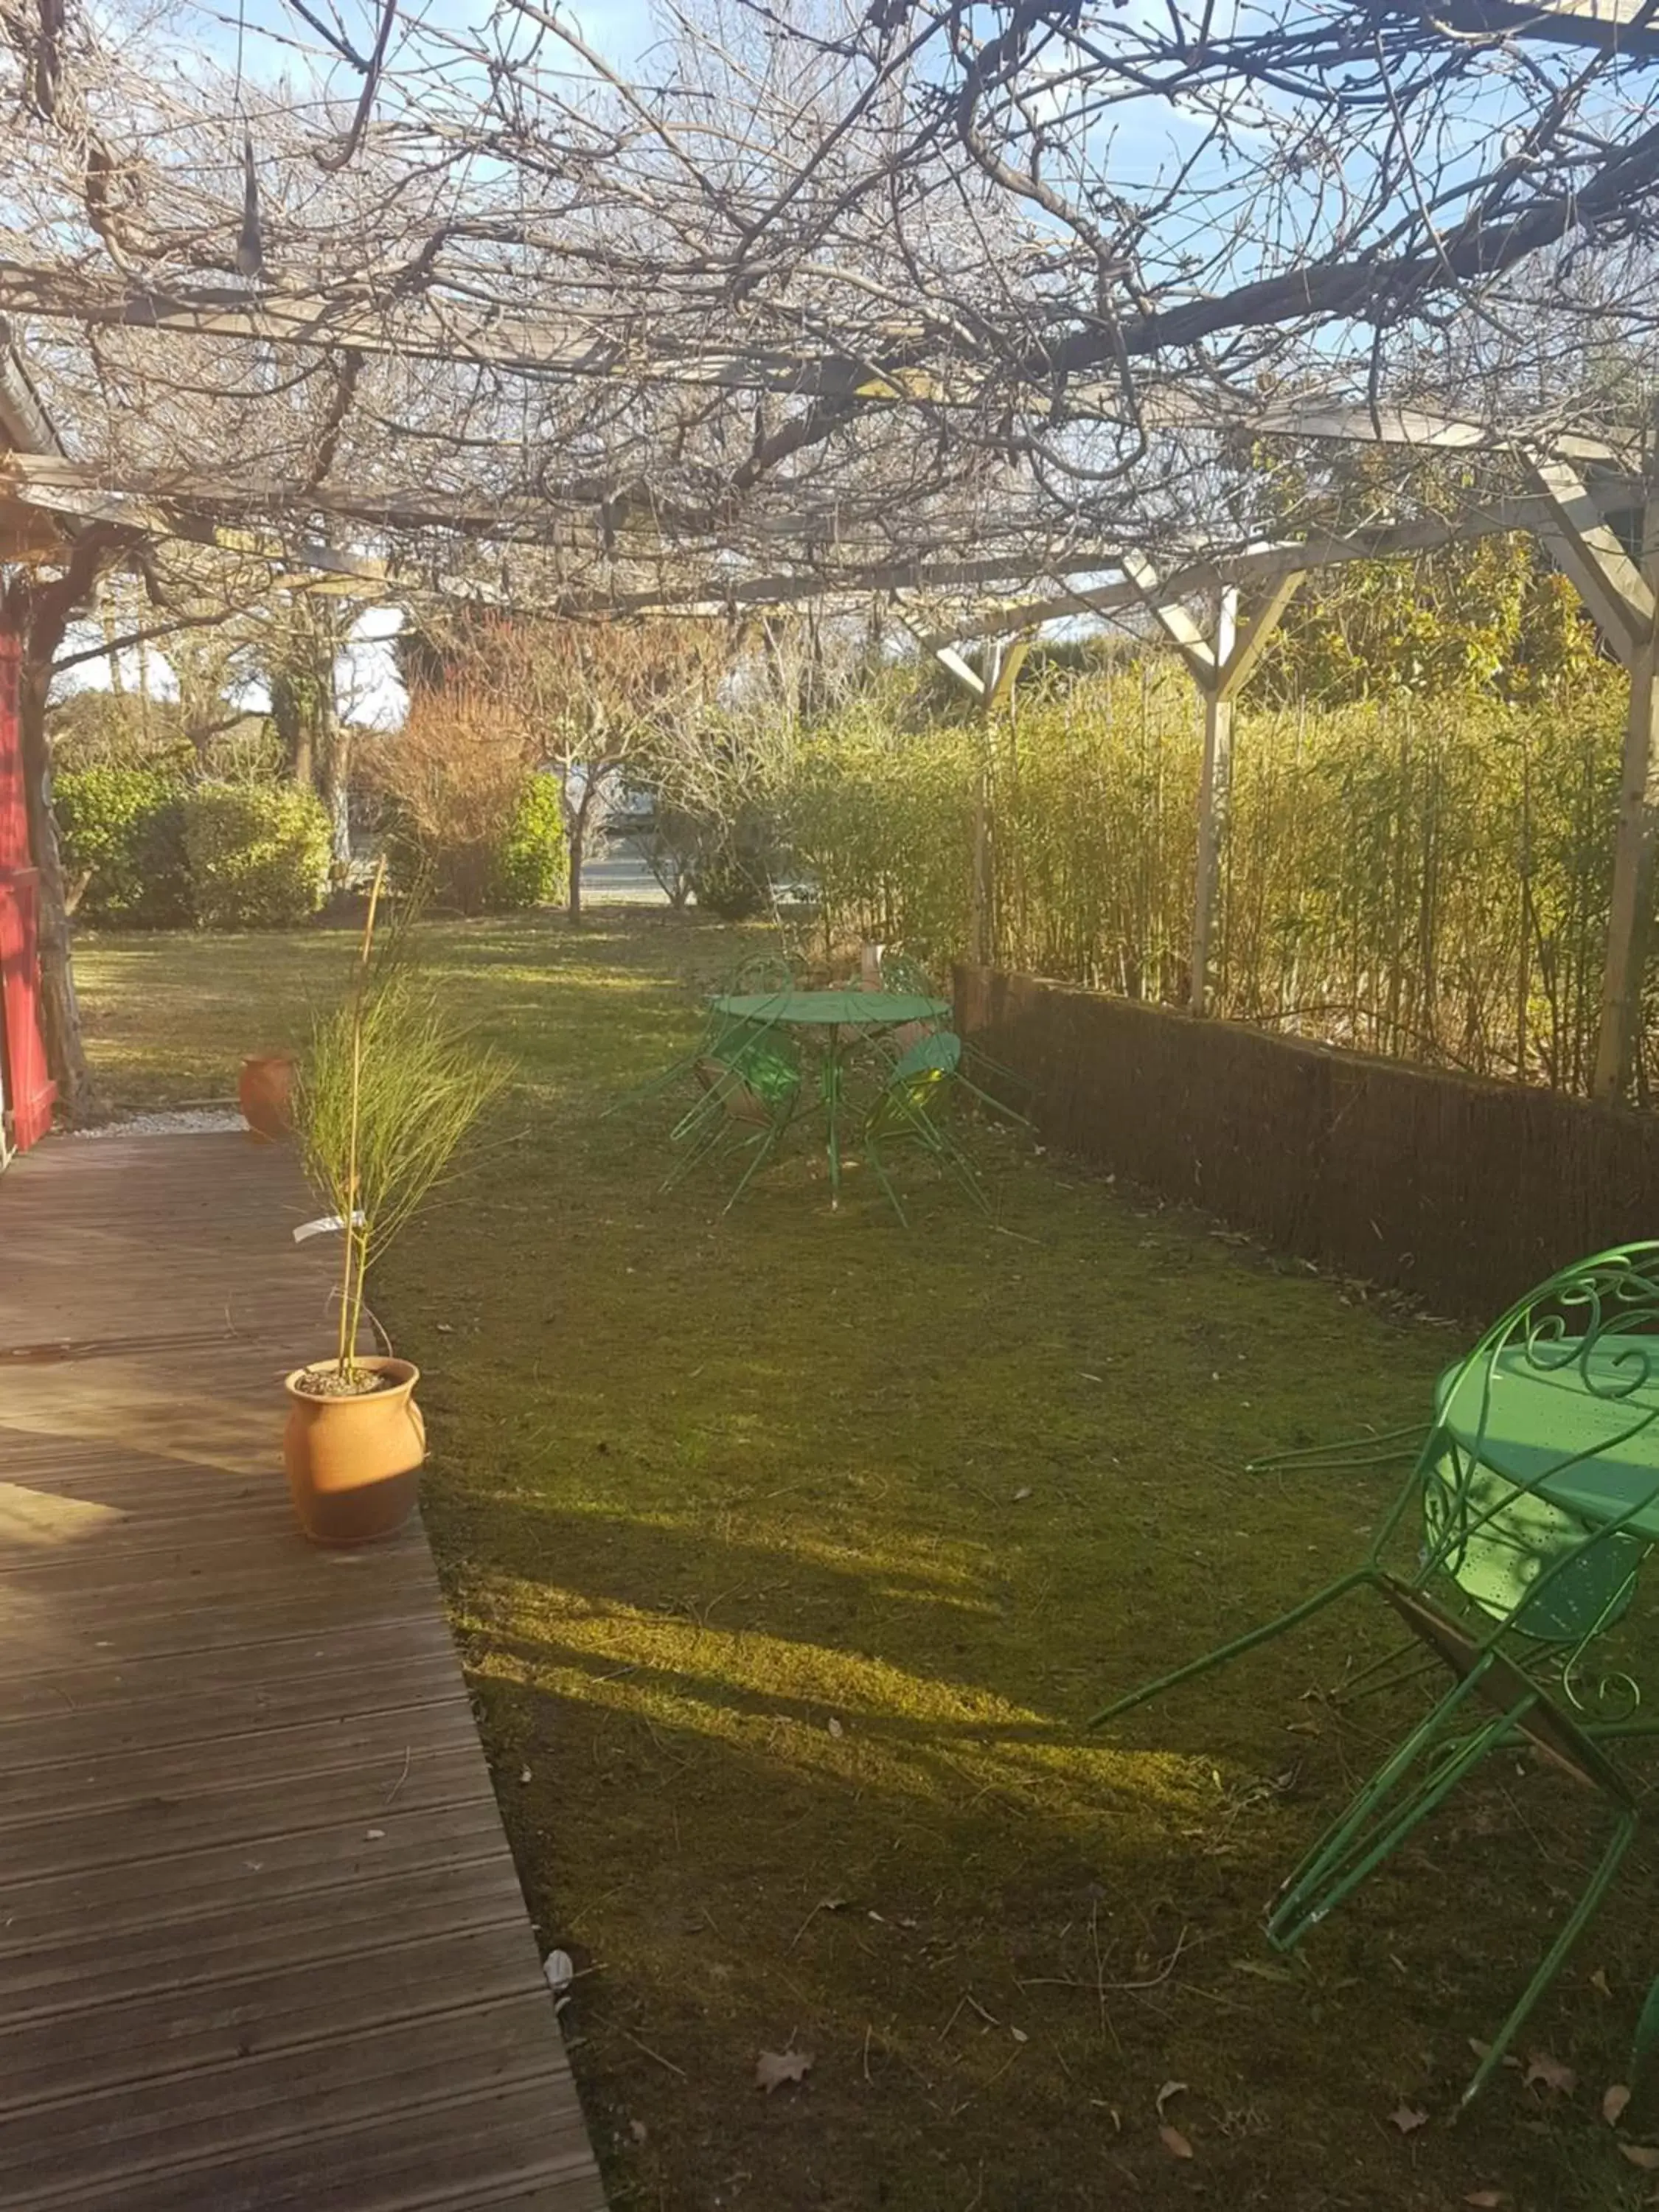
x=1595 y=1451
x=840 y=1015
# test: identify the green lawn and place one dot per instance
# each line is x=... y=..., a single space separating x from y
x=785 y=1550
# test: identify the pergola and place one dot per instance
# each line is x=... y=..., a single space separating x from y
x=1217 y=606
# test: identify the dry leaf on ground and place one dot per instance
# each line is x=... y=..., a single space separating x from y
x=1642 y=2156
x=1486 y=2200
x=1481 y=2050
x=1599 y=1981
x=1613 y=2102
x=1170 y=2089
x=1407 y=2119
x=1174 y=2142
x=1550 y=2074
x=774 y=2067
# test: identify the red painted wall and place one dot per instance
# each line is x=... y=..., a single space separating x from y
x=29 y=1090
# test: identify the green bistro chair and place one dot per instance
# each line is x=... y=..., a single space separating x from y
x=722 y=1034
x=760 y=971
x=1538 y=1486
x=910 y=1108
x=760 y=974
x=902 y=972
x=751 y=1092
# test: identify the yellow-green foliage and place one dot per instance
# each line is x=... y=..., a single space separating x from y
x=258 y=854
x=1426 y=877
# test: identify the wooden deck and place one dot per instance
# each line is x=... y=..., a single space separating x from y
x=261 y=1941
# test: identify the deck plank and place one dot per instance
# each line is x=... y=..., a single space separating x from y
x=262 y=1943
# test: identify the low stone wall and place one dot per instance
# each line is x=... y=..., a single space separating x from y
x=1463 y=1193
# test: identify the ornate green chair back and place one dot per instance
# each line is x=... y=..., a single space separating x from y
x=903 y=973
x=915 y=1088
x=760 y=971
x=1570 y=1372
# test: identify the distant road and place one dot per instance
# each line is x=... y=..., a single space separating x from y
x=616 y=872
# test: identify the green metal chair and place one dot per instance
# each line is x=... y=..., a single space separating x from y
x=751 y=1093
x=721 y=1034
x=1538 y=1485
x=902 y=971
x=760 y=971
x=910 y=1108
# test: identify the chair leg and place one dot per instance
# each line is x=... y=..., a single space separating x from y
x=706 y=1107
x=1388 y=1672
x=1627 y=1730
x=1240 y=1645
x=1004 y=1112
x=702 y=1148
x=873 y=1153
x=945 y=1151
x=1550 y=1966
x=1331 y=1871
x=962 y=1167
x=765 y=1145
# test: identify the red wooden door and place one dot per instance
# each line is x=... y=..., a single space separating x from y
x=29 y=1090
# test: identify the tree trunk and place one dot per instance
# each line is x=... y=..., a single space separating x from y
x=41 y=612
x=335 y=760
x=106 y=617
x=575 y=838
x=60 y=1010
x=290 y=711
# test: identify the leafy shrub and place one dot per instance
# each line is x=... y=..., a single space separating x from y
x=460 y=810
x=531 y=867
x=730 y=885
x=123 y=838
x=259 y=854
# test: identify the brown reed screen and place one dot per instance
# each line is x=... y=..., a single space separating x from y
x=1462 y=1193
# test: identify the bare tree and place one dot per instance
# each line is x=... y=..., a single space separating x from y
x=824 y=282
x=590 y=700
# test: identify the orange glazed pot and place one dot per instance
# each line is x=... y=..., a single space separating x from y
x=354 y=1463
x=264 y=1090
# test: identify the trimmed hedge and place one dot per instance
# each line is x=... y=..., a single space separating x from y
x=259 y=854
x=122 y=832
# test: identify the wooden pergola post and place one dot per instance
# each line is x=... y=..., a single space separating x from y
x=1220 y=661
x=990 y=693
x=1619 y=1028
x=1620 y=597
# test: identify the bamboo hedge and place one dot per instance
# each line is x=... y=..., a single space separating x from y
x=1426 y=879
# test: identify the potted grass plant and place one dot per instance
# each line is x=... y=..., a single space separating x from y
x=384 y=1101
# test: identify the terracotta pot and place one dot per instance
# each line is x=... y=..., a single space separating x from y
x=353 y=1463
x=264 y=1090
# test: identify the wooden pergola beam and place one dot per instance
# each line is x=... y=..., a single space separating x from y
x=1257 y=565
x=1565 y=516
x=1609 y=27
